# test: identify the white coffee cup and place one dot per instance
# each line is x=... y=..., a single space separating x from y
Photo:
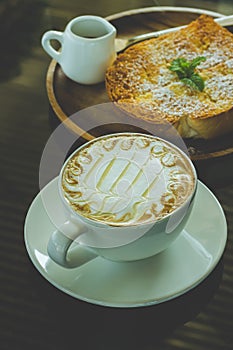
x=87 y=48
x=102 y=163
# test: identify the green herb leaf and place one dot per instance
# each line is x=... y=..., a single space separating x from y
x=196 y=61
x=198 y=81
x=185 y=71
x=179 y=66
x=189 y=82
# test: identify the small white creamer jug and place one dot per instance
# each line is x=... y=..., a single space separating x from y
x=87 y=48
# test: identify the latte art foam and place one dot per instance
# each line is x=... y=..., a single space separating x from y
x=127 y=179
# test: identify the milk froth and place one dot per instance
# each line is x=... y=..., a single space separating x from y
x=127 y=179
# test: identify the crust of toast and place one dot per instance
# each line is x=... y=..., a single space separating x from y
x=140 y=82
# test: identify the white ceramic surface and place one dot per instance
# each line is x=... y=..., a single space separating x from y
x=87 y=48
x=181 y=267
x=130 y=175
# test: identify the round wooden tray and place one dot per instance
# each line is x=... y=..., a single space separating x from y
x=67 y=97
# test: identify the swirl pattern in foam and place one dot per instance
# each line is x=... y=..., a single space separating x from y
x=127 y=179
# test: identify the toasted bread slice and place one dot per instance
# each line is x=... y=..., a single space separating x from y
x=140 y=81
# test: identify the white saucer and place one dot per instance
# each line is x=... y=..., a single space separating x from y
x=151 y=281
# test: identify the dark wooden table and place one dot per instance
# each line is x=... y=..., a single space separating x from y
x=33 y=313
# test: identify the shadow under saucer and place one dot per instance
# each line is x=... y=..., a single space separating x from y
x=78 y=322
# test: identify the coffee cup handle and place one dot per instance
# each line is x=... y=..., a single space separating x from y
x=46 y=43
x=59 y=244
